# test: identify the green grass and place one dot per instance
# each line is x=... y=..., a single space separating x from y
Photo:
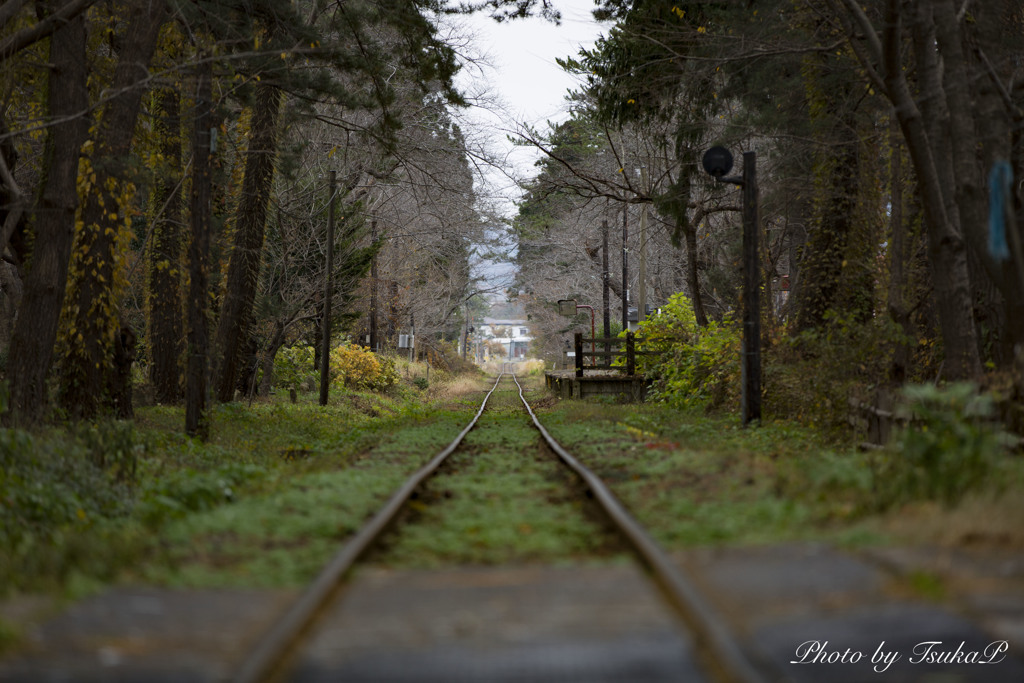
x=280 y=487
x=697 y=479
x=502 y=499
x=262 y=503
x=694 y=479
x=283 y=536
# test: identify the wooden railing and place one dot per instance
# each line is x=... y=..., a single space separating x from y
x=612 y=348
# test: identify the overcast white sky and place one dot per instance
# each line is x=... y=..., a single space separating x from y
x=522 y=73
x=518 y=82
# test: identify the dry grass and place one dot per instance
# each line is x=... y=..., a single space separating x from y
x=981 y=520
x=458 y=386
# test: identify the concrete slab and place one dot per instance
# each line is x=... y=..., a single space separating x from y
x=852 y=646
x=824 y=608
x=752 y=584
x=807 y=603
x=146 y=634
x=500 y=624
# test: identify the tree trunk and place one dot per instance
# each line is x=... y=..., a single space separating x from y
x=269 y=354
x=692 y=273
x=946 y=251
x=119 y=382
x=34 y=335
x=836 y=171
x=971 y=195
x=897 y=259
x=251 y=217
x=197 y=391
x=13 y=201
x=92 y=314
x=165 y=252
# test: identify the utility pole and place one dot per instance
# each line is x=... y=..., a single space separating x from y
x=465 y=334
x=751 y=366
x=625 y=267
x=641 y=304
x=606 y=296
x=325 y=349
x=374 y=345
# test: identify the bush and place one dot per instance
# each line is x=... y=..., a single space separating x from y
x=950 y=446
x=113 y=446
x=185 y=491
x=358 y=367
x=696 y=366
x=294 y=367
x=54 y=496
x=811 y=377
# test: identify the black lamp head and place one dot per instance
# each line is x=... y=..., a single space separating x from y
x=717 y=161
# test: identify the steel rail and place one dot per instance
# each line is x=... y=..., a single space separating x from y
x=273 y=649
x=716 y=646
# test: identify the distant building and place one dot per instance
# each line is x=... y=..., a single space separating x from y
x=513 y=335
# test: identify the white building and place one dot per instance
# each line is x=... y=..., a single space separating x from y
x=514 y=335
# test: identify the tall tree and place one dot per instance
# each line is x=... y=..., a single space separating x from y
x=92 y=374
x=933 y=157
x=247 y=250
x=53 y=223
x=164 y=276
x=197 y=382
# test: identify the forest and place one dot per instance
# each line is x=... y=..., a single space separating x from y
x=889 y=155
x=166 y=194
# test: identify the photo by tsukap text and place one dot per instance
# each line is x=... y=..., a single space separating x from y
x=926 y=652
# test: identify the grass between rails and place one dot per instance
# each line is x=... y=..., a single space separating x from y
x=501 y=498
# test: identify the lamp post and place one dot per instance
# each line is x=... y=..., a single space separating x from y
x=568 y=308
x=325 y=340
x=717 y=162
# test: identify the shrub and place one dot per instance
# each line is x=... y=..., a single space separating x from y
x=53 y=496
x=113 y=446
x=811 y=376
x=531 y=368
x=696 y=366
x=294 y=367
x=950 y=446
x=184 y=491
x=358 y=367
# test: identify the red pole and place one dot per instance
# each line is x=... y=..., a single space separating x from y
x=593 y=332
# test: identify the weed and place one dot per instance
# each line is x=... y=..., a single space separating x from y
x=927 y=585
x=949 y=447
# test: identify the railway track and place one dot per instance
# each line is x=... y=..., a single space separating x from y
x=718 y=654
